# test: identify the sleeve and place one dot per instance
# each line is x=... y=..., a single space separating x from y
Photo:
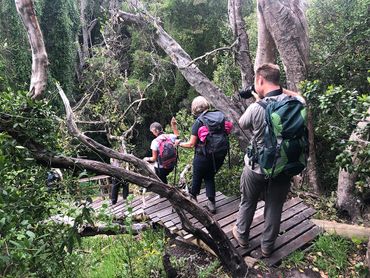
x=173 y=137
x=154 y=146
x=253 y=117
x=195 y=127
x=245 y=120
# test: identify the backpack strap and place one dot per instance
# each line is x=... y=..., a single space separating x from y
x=264 y=102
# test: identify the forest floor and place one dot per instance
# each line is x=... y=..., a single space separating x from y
x=190 y=261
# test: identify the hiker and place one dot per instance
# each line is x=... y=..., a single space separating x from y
x=272 y=183
x=164 y=155
x=118 y=183
x=211 y=147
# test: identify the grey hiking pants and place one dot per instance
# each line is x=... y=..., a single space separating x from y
x=252 y=185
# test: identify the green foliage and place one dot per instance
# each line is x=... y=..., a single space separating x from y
x=59 y=22
x=337 y=112
x=332 y=252
x=15 y=57
x=296 y=259
x=227 y=75
x=122 y=256
x=339 y=48
x=35 y=118
x=31 y=244
x=210 y=271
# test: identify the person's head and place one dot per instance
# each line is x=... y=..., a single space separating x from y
x=199 y=105
x=156 y=129
x=267 y=78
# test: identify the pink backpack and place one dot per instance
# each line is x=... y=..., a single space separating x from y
x=167 y=156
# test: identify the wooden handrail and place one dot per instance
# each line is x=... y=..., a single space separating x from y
x=95 y=178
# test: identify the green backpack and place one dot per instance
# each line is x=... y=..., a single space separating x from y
x=285 y=139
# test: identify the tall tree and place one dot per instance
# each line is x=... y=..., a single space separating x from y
x=242 y=53
x=346 y=198
x=39 y=57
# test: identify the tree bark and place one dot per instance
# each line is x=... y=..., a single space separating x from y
x=84 y=51
x=346 y=198
x=242 y=53
x=39 y=57
x=190 y=71
x=286 y=22
x=266 y=48
x=312 y=161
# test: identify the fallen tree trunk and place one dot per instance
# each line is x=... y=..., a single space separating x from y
x=345 y=230
x=101 y=229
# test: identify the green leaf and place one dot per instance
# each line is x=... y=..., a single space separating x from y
x=31 y=235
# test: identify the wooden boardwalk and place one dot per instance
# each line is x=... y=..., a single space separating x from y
x=296 y=230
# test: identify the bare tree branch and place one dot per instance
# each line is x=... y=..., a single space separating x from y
x=229 y=48
x=73 y=129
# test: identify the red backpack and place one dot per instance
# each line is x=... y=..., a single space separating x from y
x=167 y=156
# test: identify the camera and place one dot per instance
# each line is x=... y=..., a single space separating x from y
x=247 y=93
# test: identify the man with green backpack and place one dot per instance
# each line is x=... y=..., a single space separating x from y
x=278 y=151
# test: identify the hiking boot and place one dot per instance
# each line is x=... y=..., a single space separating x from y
x=266 y=253
x=242 y=242
x=211 y=206
x=193 y=198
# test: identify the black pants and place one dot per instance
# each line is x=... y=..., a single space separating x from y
x=116 y=184
x=163 y=173
x=205 y=168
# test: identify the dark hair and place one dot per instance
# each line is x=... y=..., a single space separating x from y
x=156 y=126
x=270 y=72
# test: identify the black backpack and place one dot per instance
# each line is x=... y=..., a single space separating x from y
x=217 y=140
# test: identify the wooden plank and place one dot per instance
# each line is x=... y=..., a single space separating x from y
x=259 y=218
x=201 y=201
x=284 y=225
x=286 y=237
x=169 y=211
x=201 y=198
x=120 y=208
x=221 y=207
x=148 y=207
x=154 y=209
x=290 y=218
x=177 y=221
x=230 y=219
x=293 y=245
